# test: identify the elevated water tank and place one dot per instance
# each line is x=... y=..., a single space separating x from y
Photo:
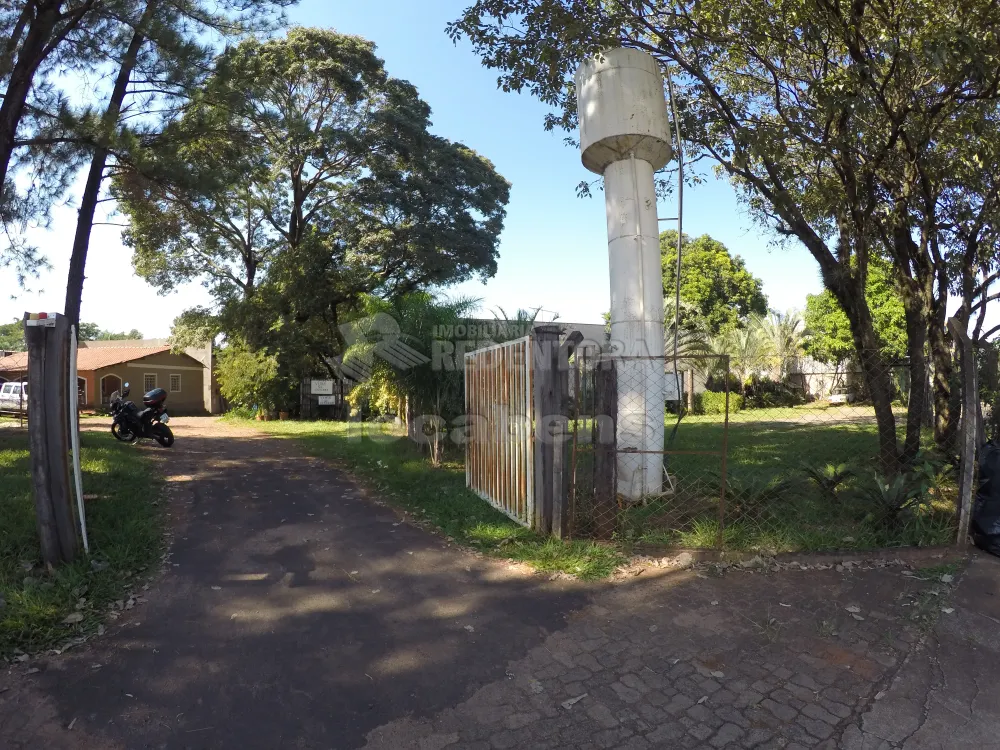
x=622 y=110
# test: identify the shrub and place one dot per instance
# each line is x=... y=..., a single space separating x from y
x=240 y=412
x=248 y=378
x=764 y=393
x=710 y=402
x=828 y=478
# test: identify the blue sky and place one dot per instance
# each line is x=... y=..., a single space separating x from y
x=553 y=250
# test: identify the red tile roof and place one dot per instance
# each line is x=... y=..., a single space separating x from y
x=89 y=358
x=14 y=362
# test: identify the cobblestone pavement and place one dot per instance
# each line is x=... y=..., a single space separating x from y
x=787 y=659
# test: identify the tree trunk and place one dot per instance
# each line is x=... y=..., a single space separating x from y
x=916 y=337
x=30 y=55
x=874 y=368
x=849 y=290
x=879 y=383
x=927 y=420
x=947 y=407
x=92 y=190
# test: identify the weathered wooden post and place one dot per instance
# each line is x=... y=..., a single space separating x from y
x=605 y=419
x=561 y=520
x=548 y=430
x=47 y=338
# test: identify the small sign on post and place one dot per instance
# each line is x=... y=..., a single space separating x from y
x=322 y=387
x=327 y=400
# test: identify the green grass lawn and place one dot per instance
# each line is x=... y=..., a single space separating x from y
x=398 y=470
x=125 y=530
x=771 y=504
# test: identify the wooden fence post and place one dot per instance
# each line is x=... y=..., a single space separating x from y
x=606 y=418
x=547 y=410
x=48 y=352
x=561 y=521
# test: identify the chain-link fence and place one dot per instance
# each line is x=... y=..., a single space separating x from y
x=772 y=454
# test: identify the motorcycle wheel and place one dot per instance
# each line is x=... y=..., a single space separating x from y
x=123 y=433
x=163 y=435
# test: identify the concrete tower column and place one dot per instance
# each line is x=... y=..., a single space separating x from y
x=625 y=136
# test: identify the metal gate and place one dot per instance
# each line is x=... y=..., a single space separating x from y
x=499 y=451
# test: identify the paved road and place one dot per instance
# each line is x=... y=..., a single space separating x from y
x=295 y=613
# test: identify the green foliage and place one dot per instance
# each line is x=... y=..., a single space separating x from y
x=435 y=392
x=853 y=150
x=828 y=331
x=145 y=58
x=237 y=413
x=248 y=378
x=193 y=328
x=787 y=336
x=304 y=179
x=93 y=332
x=711 y=402
x=12 y=336
x=828 y=477
x=765 y=393
x=750 y=349
x=891 y=501
x=715 y=285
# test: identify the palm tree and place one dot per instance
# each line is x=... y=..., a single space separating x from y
x=787 y=334
x=694 y=338
x=404 y=378
x=517 y=326
x=750 y=349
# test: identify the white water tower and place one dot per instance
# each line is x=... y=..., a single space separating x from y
x=625 y=136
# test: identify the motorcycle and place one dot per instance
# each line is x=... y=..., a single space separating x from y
x=129 y=423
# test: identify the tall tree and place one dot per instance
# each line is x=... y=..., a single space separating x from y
x=714 y=282
x=310 y=180
x=39 y=37
x=161 y=46
x=833 y=120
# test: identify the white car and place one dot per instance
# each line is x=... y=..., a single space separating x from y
x=842 y=396
x=14 y=397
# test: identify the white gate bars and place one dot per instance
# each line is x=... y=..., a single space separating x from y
x=499 y=455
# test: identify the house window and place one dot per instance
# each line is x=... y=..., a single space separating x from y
x=175 y=383
x=148 y=382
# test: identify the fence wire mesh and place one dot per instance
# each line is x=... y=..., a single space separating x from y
x=773 y=455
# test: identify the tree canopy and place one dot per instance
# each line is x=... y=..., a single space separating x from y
x=12 y=336
x=308 y=179
x=828 y=331
x=715 y=284
x=93 y=332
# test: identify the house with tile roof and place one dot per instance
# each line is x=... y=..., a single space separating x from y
x=104 y=366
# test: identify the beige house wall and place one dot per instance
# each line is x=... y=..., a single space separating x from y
x=159 y=367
